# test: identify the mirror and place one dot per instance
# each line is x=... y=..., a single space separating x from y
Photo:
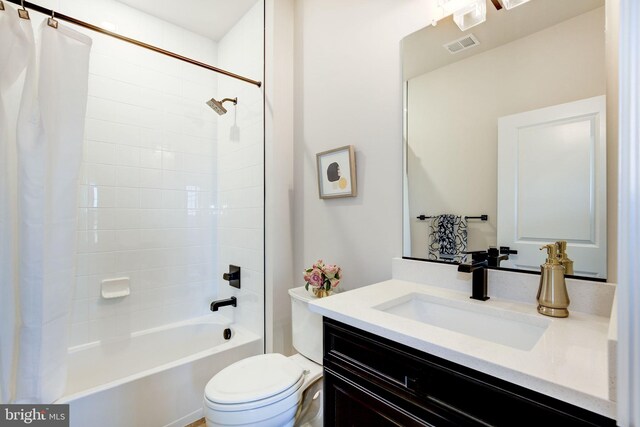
x=507 y=120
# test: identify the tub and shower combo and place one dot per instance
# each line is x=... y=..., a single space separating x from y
x=123 y=200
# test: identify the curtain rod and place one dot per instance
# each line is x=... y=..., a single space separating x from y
x=72 y=20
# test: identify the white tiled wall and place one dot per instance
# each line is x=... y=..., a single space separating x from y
x=241 y=169
x=148 y=196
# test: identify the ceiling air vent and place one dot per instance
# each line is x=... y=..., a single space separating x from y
x=464 y=43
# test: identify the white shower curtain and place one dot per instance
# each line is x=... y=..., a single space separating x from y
x=49 y=145
x=16 y=42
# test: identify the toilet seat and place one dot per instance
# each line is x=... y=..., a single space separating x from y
x=260 y=390
x=254 y=382
x=291 y=392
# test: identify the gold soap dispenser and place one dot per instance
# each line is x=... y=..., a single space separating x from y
x=553 y=298
x=564 y=259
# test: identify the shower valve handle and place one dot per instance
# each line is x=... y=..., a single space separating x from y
x=233 y=276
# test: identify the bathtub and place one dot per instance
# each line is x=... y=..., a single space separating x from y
x=154 y=377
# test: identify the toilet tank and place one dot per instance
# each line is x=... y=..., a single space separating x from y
x=306 y=326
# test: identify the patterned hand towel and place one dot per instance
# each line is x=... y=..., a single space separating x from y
x=447 y=237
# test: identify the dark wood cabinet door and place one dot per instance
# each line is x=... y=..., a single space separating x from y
x=353 y=406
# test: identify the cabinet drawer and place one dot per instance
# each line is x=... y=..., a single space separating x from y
x=372 y=358
x=350 y=404
x=420 y=377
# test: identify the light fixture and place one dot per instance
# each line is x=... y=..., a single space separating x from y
x=466 y=13
x=510 y=4
x=471 y=15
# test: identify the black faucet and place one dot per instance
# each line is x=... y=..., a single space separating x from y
x=494 y=256
x=479 y=262
x=223 y=302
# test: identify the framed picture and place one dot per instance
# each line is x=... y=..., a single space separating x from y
x=337 y=173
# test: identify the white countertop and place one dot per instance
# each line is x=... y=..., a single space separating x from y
x=569 y=362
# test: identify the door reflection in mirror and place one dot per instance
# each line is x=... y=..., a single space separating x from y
x=527 y=59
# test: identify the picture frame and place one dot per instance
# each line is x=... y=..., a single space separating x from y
x=337 y=173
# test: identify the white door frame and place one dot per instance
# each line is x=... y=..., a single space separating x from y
x=629 y=217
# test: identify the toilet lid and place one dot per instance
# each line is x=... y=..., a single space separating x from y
x=253 y=378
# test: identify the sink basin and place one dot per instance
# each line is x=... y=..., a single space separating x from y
x=517 y=330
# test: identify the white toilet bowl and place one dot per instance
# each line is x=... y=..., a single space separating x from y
x=264 y=390
x=272 y=390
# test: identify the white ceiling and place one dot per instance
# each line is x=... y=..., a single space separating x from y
x=209 y=18
x=423 y=50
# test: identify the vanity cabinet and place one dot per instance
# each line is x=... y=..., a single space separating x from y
x=372 y=381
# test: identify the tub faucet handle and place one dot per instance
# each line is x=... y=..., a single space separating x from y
x=233 y=276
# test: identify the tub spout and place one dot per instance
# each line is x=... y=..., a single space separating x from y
x=215 y=305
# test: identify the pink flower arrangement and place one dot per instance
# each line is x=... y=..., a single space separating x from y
x=322 y=276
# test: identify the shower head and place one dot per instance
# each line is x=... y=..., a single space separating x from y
x=217 y=105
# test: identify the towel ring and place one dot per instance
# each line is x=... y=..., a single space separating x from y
x=23 y=13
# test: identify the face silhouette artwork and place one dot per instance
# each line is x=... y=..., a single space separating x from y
x=333 y=175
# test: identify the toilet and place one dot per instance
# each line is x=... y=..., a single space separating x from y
x=272 y=390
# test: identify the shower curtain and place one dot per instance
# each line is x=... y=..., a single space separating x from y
x=16 y=38
x=49 y=139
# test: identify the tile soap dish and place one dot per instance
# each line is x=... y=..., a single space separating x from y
x=115 y=288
